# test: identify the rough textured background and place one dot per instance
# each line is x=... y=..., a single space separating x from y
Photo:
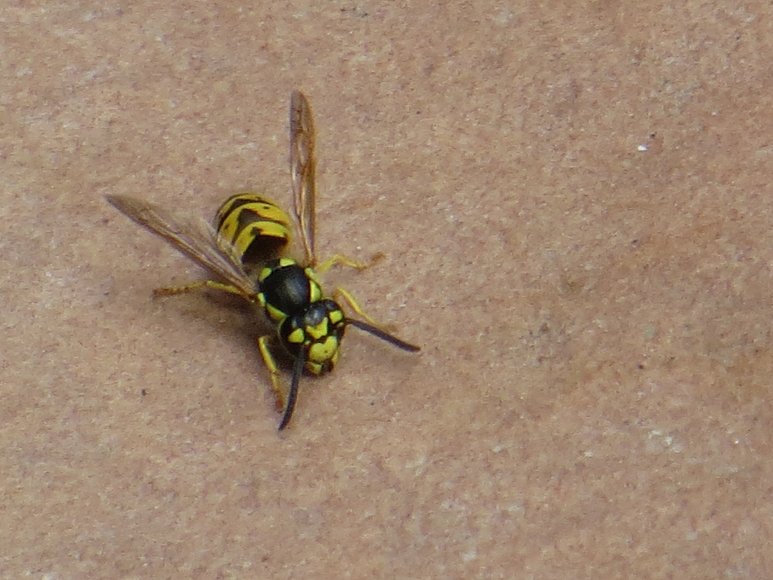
x=574 y=202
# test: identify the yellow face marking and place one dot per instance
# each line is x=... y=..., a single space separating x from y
x=297 y=336
x=336 y=316
x=313 y=367
x=318 y=331
x=286 y=262
x=324 y=351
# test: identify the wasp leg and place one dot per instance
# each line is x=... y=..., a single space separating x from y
x=339 y=260
x=354 y=305
x=268 y=360
x=195 y=286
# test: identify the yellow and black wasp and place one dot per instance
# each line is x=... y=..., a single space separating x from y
x=245 y=250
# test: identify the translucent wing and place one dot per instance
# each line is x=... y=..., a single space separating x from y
x=196 y=240
x=303 y=170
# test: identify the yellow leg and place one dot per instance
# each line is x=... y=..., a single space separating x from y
x=354 y=305
x=268 y=360
x=339 y=260
x=195 y=286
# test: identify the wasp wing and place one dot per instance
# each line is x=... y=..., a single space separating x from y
x=303 y=170
x=197 y=240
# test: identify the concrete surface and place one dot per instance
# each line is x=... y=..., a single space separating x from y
x=574 y=203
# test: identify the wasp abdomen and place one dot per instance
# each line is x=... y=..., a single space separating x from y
x=254 y=226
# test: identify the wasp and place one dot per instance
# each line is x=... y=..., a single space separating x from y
x=246 y=250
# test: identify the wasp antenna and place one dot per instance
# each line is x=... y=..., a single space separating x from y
x=377 y=332
x=292 y=396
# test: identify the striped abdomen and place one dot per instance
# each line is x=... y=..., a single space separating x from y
x=256 y=227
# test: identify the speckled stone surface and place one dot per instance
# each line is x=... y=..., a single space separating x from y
x=574 y=205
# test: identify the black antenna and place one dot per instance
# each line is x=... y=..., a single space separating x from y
x=375 y=331
x=292 y=396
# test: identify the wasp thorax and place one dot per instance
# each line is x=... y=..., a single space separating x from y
x=286 y=289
